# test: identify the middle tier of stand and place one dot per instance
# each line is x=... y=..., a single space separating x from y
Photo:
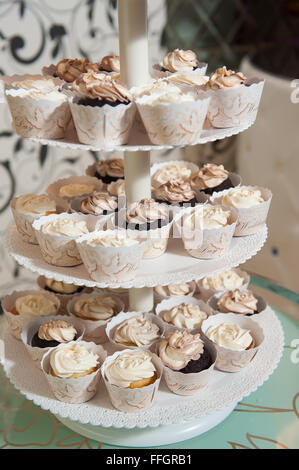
x=173 y=267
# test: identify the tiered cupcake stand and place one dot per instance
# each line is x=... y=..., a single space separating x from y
x=171 y=418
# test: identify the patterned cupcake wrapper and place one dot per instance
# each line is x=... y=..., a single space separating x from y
x=24 y=224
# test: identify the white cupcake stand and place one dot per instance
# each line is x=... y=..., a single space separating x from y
x=172 y=418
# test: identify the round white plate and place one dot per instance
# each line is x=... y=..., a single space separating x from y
x=223 y=391
x=173 y=267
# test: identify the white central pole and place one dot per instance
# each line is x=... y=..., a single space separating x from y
x=134 y=71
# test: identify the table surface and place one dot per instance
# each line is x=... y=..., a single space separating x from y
x=267 y=419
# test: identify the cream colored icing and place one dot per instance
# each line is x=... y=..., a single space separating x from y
x=72 y=359
x=146 y=210
x=97 y=307
x=242 y=198
x=185 y=316
x=207 y=217
x=223 y=281
x=33 y=305
x=174 y=290
x=138 y=331
x=231 y=337
x=179 y=348
x=61 y=287
x=225 y=79
x=180 y=61
x=237 y=301
x=173 y=172
x=130 y=367
x=209 y=176
x=33 y=204
x=115 y=240
x=65 y=227
x=75 y=190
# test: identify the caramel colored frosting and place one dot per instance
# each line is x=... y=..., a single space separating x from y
x=75 y=190
x=130 y=367
x=65 y=227
x=117 y=188
x=57 y=330
x=33 y=204
x=180 y=61
x=146 y=210
x=207 y=217
x=72 y=359
x=110 y=63
x=175 y=192
x=113 y=167
x=237 y=301
x=226 y=280
x=138 y=331
x=70 y=69
x=61 y=287
x=97 y=307
x=209 y=176
x=179 y=348
x=102 y=87
x=114 y=240
x=185 y=316
x=225 y=79
x=173 y=172
x=174 y=290
x=32 y=305
x=242 y=198
x=97 y=203
x=231 y=337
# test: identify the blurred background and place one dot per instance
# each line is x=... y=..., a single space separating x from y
x=261 y=38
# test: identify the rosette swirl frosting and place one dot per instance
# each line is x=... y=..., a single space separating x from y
x=57 y=330
x=65 y=227
x=185 y=316
x=223 y=281
x=146 y=210
x=114 y=240
x=70 y=69
x=97 y=203
x=242 y=198
x=172 y=172
x=117 y=188
x=130 y=367
x=75 y=190
x=33 y=204
x=231 y=337
x=102 y=87
x=33 y=305
x=175 y=192
x=173 y=290
x=97 y=308
x=113 y=167
x=180 y=61
x=237 y=301
x=61 y=287
x=187 y=78
x=209 y=176
x=110 y=63
x=137 y=330
x=207 y=217
x=225 y=79
x=179 y=348
x=72 y=359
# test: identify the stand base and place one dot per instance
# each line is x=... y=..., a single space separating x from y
x=149 y=437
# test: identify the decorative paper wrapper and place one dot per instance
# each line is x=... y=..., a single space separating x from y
x=235 y=179
x=251 y=219
x=206 y=294
x=175 y=123
x=209 y=244
x=137 y=399
x=158 y=297
x=111 y=264
x=235 y=107
x=178 y=211
x=158 y=166
x=38 y=118
x=121 y=318
x=171 y=302
x=190 y=384
x=16 y=323
x=6 y=82
x=54 y=188
x=78 y=390
x=32 y=328
x=60 y=250
x=159 y=73
x=64 y=298
x=261 y=305
x=94 y=330
x=106 y=125
x=228 y=360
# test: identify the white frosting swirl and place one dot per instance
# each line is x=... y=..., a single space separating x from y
x=223 y=281
x=231 y=337
x=115 y=240
x=138 y=331
x=188 y=78
x=185 y=316
x=32 y=305
x=179 y=348
x=34 y=204
x=237 y=301
x=207 y=217
x=72 y=359
x=172 y=172
x=173 y=290
x=146 y=210
x=242 y=197
x=97 y=308
x=130 y=367
x=65 y=227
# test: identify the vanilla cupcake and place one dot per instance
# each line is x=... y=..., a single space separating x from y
x=62 y=290
x=178 y=61
x=185 y=316
x=174 y=290
x=28 y=208
x=132 y=379
x=238 y=301
x=162 y=173
x=226 y=280
x=213 y=178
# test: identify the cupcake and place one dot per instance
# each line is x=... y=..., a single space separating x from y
x=207 y=230
x=135 y=330
x=112 y=256
x=69 y=70
x=239 y=302
x=226 y=280
x=28 y=208
x=62 y=290
x=234 y=98
x=183 y=314
x=117 y=188
x=162 y=173
x=94 y=311
x=174 y=290
x=110 y=64
x=102 y=110
x=175 y=193
x=213 y=178
x=252 y=205
x=188 y=362
x=187 y=78
x=37 y=83
x=132 y=379
x=236 y=339
x=98 y=203
x=72 y=370
x=110 y=170
x=20 y=307
x=67 y=189
x=179 y=60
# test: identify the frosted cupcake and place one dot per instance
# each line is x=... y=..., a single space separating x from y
x=183 y=315
x=98 y=203
x=102 y=110
x=162 y=173
x=62 y=290
x=226 y=280
x=174 y=290
x=69 y=70
x=110 y=64
x=117 y=188
x=72 y=370
x=239 y=302
x=188 y=362
x=28 y=208
x=212 y=178
x=67 y=189
x=176 y=193
x=110 y=170
x=132 y=379
x=179 y=60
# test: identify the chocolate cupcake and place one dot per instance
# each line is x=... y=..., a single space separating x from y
x=211 y=178
x=144 y=215
x=110 y=170
x=176 y=193
x=99 y=203
x=54 y=333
